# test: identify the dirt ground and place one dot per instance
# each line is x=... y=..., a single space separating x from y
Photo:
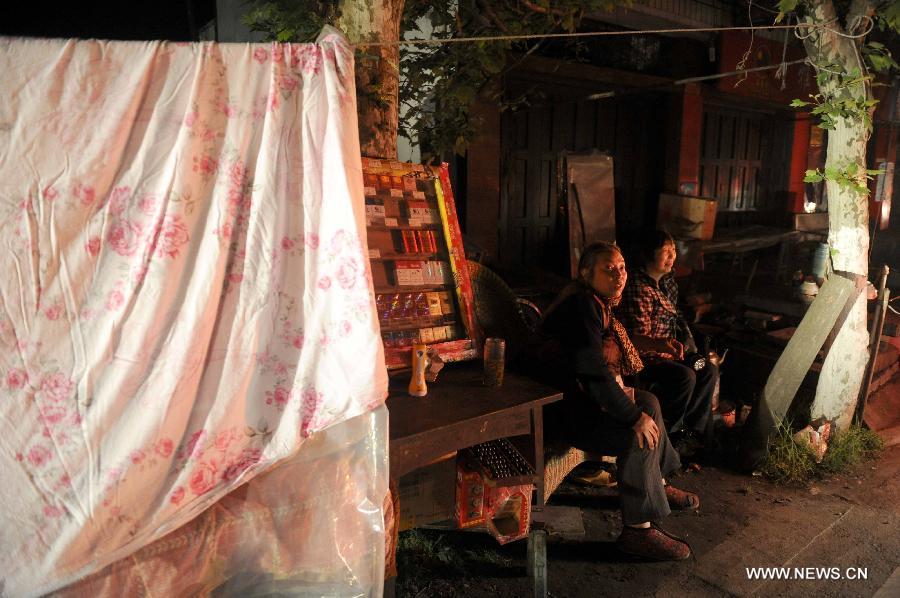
x=848 y=521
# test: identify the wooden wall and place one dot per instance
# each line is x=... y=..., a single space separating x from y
x=745 y=160
x=632 y=128
x=741 y=155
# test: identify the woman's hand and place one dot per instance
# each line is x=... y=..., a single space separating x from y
x=673 y=348
x=666 y=348
x=669 y=348
x=647 y=432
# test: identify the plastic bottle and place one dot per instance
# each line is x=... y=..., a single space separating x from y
x=820 y=261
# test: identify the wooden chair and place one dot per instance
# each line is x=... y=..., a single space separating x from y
x=500 y=313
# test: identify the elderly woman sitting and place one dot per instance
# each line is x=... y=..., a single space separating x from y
x=601 y=415
x=649 y=311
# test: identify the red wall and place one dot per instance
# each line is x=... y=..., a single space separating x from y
x=799 y=80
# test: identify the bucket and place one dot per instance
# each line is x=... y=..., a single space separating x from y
x=820 y=261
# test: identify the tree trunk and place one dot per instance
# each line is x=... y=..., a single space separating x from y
x=377 y=71
x=848 y=219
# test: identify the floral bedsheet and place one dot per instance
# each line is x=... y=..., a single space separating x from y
x=185 y=294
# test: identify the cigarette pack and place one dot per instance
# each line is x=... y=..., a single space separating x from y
x=375 y=209
x=434 y=304
x=410 y=273
x=446 y=302
x=410 y=242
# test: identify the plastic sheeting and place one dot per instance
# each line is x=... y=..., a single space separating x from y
x=185 y=301
x=310 y=527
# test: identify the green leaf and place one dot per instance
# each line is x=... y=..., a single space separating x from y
x=799 y=103
x=812 y=176
x=786 y=6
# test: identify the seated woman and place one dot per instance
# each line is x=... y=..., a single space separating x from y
x=601 y=415
x=649 y=312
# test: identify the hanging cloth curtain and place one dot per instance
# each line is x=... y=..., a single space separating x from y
x=185 y=294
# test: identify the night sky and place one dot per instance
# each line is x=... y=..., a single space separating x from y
x=106 y=19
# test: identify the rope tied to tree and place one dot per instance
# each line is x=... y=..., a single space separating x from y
x=577 y=34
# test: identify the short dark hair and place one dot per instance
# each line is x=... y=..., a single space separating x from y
x=648 y=242
x=590 y=254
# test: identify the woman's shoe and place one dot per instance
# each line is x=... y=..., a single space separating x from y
x=681 y=499
x=652 y=543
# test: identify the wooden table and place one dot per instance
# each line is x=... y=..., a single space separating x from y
x=460 y=412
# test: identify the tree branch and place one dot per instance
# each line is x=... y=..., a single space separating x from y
x=486 y=7
x=541 y=9
x=859 y=10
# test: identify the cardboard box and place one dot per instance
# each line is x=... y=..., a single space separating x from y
x=816 y=222
x=686 y=217
x=427 y=494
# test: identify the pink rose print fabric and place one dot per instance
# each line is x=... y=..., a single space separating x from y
x=185 y=297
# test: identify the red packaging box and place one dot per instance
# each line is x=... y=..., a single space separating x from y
x=508 y=512
x=504 y=510
x=469 y=510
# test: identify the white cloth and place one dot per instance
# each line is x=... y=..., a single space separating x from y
x=185 y=292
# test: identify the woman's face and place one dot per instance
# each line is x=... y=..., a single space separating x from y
x=609 y=276
x=664 y=258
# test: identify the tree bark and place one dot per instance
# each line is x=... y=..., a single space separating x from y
x=848 y=216
x=377 y=71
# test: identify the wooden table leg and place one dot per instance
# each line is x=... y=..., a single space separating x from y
x=537 y=537
x=537 y=433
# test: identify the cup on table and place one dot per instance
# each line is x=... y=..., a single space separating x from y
x=494 y=353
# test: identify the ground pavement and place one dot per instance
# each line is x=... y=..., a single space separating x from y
x=846 y=526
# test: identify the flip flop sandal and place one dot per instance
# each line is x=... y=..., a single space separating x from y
x=681 y=499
